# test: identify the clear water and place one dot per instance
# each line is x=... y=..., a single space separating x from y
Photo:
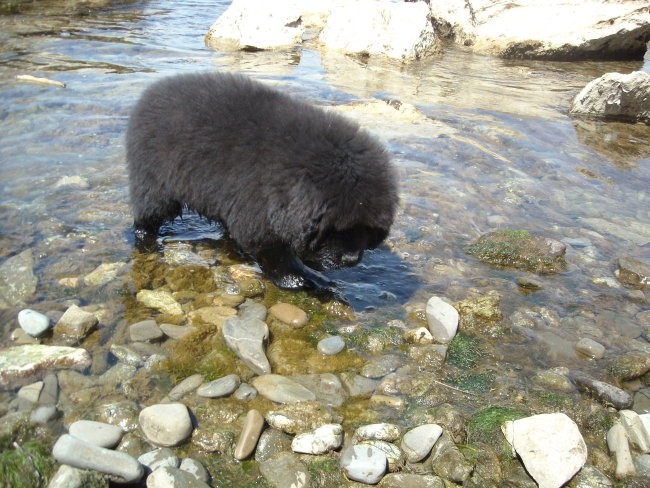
x=495 y=148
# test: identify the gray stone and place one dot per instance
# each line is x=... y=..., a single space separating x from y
x=381 y=366
x=75 y=324
x=17 y=280
x=252 y=310
x=246 y=337
x=176 y=331
x=123 y=414
x=590 y=348
x=253 y=425
x=357 y=385
x=364 y=463
x=272 y=442
x=286 y=470
x=325 y=438
x=591 y=477
x=33 y=322
x=418 y=442
x=159 y=458
x=96 y=433
x=442 y=319
x=20 y=365
x=68 y=477
x=331 y=345
x=606 y=393
x=166 y=424
x=186 y=386
x=127 y=355
x=220 y=387
x=326 y=386
x=118 y=466
x=245 y=393
x=409 y=480
x=550 y=446
x=168 y=477
x=31 y=392
x=145 y=331
x=281 y=389
x=642 y=465
x=102 y=274
x=195 y=468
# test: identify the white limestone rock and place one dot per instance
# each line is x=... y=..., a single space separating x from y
x=442 y=319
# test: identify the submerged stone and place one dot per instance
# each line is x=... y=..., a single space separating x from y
x=634 y=272
x=246 y=337
x=17 y=280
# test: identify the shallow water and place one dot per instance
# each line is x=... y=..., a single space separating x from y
x=492 y=147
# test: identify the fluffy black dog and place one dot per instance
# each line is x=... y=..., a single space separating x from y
x=290 y=182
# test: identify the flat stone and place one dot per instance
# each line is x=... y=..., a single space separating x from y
x=159 y=458
x=550 y=446
x=33 y=322
x=326 y=386
x=168 y=477
x=281 y=389
x=186 y=386
x=285 y=470
x=591 y=477
x=160 y=300
x=252 y=310
x=272 y=442
x=176 y=331
x=289 y=314
x=642 y=465
x=166 y=424
x=50 y=392
x=357 y=385
x=331 y=346
x=378 y=432
x=19 y=337
x=590 y=348
x=418 y=442
x=442 y=319
x=118 y=466
x=246 y=337
x=381 y=366
x=145 y=331
x=364 y=463
x=220 y=387
x=604 y=392
x=253 y=425
x=75 y=324
x=325 y=438
x=96 y=433
x=102 y=274
x=618 y=444
x=195 y=468
x=68 y=477
x=213 y=315
x=24 y=364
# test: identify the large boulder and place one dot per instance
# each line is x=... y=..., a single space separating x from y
x=547 y=29
x=615 y=96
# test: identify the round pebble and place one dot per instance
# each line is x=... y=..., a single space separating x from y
x=219 y=388
x=418 y=442
x=289 y=314
x=33 y=322
x=364 y=463
x=281 y=389
x=251 y=432
x=97 y=433
x=166 y=424
x=590 y=348
x=331 y=345
x=145 y=331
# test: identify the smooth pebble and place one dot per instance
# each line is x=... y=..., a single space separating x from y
x=364 y=463
x=331 y=345
x=33 y=322
x=97 y=433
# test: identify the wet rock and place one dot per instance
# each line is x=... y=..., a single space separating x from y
x=252 y=310
x=635 y=430
x=286 y=470
x=550 y=446
x=616 y=96
x=418 y=442
x=642 y=465
x=378 y=28
x=19 y=337
x=145 y=331
x=166 y=424
x=357 y=385
x=591 y=477
x=69 y=477
x=590 y=348
x=22 y=364
x=176 y=331
x=320 y=441
x=213 y=315
x=632 y=271
x=448 y=462
x=481 y=315
x=364 y=463
x=186 y=386
x=618 y=445
x=245 y=393
x=272 y=442
x=160 y=300
x=168 y=477
x=17 y=280
x=75 y=324
x=642 y=401
x=521 y=250
x=394 y=455
x=331 y=346
x=127 y=355
x=246 y=337
x=327 y=387
x=289 y=314
x=104 y=273
x=281 y=389
x=387 y=401
x=195 y=468
x=420 y=335
x=378 y=432
x=442 y=319
x=96 y=433
x=33 y=322
x=119 y=466
x=429 y=357
x=250 y=435
x=630 y=365
x=409 y=480
x=211 y=439
x=604 y=392
x=159 y=458
x=220 y=387
x=303 y=416
x=123 y=414
x=191 y=277
x=381 y=366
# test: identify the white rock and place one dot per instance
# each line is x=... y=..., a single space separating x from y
x=331 y=345
x=31 y=392
x=33 y=322
x=322 y=440
x=442 y=319
x=168 y=477
x=104 y=273
x=378 y=432
x=394 y=455
x=617 y=444
x=635 y=430
x=166 y=424
x=550 y=446
x=378 y=27
x=615 y=96
x=97 y=433
x=195 y=468
x=418 y=442
x=364 y=463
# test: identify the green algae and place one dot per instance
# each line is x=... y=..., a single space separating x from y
x=475 y=382
x=325 y=472
x=465 y=351
x=27 y=465
x=485 y=425
x=190 y=278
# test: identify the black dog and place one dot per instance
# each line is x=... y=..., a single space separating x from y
x=290 y=182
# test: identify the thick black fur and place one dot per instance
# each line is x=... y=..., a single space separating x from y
x=290 y=182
